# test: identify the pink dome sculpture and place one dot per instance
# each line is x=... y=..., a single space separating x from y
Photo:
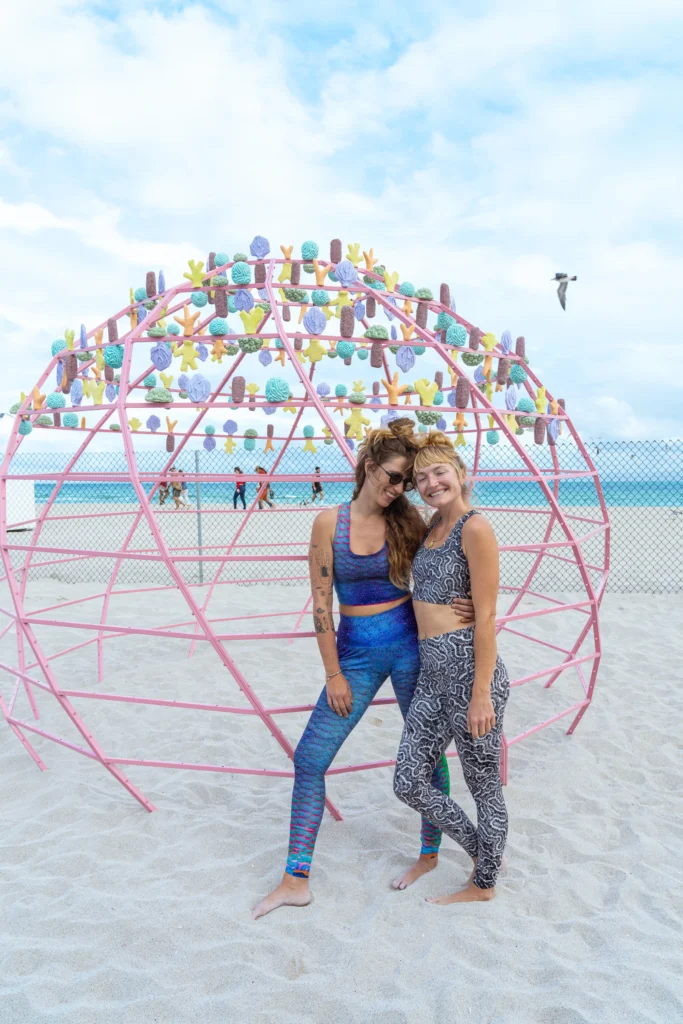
x=237 y=342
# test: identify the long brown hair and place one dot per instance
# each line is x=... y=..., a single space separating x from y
x=405 y=526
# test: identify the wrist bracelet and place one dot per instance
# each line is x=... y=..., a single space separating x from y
x=332 y=675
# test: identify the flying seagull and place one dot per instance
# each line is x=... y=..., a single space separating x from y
x=563 y=280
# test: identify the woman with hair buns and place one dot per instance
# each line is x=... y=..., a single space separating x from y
x=463 y=686
x=364 y=549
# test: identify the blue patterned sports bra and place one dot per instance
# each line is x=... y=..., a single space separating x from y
x=360 y=579
x=442 y=573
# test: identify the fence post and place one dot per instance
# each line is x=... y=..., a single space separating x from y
x=199 y=518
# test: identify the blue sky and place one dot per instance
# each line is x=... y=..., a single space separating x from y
x=486 y=144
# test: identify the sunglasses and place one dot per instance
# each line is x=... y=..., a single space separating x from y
x=397 y=478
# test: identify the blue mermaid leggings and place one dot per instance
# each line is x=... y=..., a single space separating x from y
x=371 y=648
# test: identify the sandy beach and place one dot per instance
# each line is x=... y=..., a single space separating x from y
x=112 y=914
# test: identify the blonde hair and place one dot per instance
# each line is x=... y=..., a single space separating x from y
x=436 y=447
x=405 y=526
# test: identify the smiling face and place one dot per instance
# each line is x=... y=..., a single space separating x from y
x=378 y=482
x=440 y=484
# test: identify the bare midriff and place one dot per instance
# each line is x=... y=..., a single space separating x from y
x=362 y=610
x=436 y=619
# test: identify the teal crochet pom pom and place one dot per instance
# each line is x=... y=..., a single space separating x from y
x=208 y=429
x=150 y=381
x=113 y=356
x=310 y=250
x=438 y=398
x=173 y=329
x=525 y=404
x=444 y=321
x=58 y=346
x=219 y=326
x=199 y=299
x=492 y=436
x=341 y=390
x=241 y=273
x=221 y=258
x=333 y=277
x=378 y=286
x=309 y=431
x=345 y=349
x=517 y=373
x=277 y=390
x=232 y=308
x=378 y=332
x=250 y=444
x=140 y=294
x=70 y=419
x=320 y=297
x=362 y=353
x=456 y=335
x=419 y=350
x=25 y=427
x=407 y=289
x=55 y=400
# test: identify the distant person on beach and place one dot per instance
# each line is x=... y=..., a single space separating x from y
x=463 y=686
x=163 y=490
x=263 y=490
x=176 y=487
x=317 y=486
x=184 y=490
x=240 y=490
x=364 y=549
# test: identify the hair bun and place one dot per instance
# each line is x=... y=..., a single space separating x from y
x=403 y=427
x=435 y=439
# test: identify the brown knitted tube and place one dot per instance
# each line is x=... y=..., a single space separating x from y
x=347 y=322
x=269 y=430
x=221 y=300
x=238 y=389
x=422 y=314
x=462 y=393
x=375 y=387
x=286 y=315
x=260 y=273
x=335 y=250
x=70 y=367
x=112 y=330
x=438 y=378
x=376 y=355
x=211 y=262
x=298 y=342
x=108 y=372
x=445 y=295
x=151 y=284
x=295 y=276
x=551 y=439
x=520 y=347
x=503 y=371
x=539 y=431
x=475 y=338
x=170 y=442
x=347 y=361
x=370 y=307
x=57 y=418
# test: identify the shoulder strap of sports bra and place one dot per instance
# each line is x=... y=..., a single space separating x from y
x=342 y=530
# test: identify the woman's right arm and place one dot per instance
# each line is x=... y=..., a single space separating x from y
x=320 y=562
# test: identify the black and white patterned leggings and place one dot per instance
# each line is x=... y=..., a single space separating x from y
x=437 y=715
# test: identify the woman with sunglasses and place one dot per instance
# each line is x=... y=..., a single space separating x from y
x=364 y=549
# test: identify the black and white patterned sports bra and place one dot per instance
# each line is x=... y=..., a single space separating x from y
x=442 y=573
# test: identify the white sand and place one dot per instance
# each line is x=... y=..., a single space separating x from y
x=115 y=916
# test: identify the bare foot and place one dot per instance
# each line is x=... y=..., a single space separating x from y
x=424 y=863
x=470 y=894
x=291 y=892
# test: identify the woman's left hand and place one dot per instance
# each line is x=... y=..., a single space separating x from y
x=481 y=717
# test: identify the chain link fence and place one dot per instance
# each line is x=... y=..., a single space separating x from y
x=96 y=528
